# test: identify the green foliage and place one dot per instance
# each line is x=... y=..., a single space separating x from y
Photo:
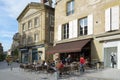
x=15 y=52
x=2 y=57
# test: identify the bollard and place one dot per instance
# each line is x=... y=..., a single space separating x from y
x=97 y=65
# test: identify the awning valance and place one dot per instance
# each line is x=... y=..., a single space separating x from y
x=73 y=46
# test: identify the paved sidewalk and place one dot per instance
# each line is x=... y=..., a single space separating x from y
x=108 y=73
x=105 y=74
x=20 y=74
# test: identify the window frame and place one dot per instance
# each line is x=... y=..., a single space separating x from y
x=70 y=7
x=52 y=20
x=36 y=21
x=29 y=24
x=65 y=31
x=36 y=37
x=112 y=15
x=83 y=30
x=23 y=26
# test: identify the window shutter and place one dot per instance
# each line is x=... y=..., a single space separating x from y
x=90 y=24
x=107 y=19
x=70 y=29
x=59 y=32
x=115 y=18
x=75 y=25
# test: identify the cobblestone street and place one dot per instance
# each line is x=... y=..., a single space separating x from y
x=19 y=74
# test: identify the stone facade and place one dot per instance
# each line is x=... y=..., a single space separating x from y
x=36 y=26
x=103 y=19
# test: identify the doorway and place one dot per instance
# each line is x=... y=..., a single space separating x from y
x=34 y=55
x=107 y=56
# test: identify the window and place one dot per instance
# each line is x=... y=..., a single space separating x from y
x=30 y=38
x=36 y=22
x=23 y=27
x=51 y=36
x=83 y=28
x=36 y=37
x=112 y=18
x=51 y=20
x=70 y=7
x=65 y=33
x=29 y=24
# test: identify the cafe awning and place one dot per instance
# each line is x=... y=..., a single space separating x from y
x=73 y=46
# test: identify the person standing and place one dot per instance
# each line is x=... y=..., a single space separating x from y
x=113 y=62
x=7 y=61
x=59 y=67
x=82 y=64
x=68 y=59
x=11 y=66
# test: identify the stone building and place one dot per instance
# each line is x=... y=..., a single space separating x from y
x=36 y=26
x=87 y=27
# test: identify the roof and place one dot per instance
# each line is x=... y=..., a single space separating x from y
x=32 y=5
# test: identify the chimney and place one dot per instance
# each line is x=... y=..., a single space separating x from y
x=50 y=3
x=47 y=2
x=44 y=1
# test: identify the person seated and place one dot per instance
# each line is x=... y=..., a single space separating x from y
x=68 y=60
x=43 y=63
x=34 y=63
x=52 y=68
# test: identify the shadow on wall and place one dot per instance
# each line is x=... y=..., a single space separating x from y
x=96 y=52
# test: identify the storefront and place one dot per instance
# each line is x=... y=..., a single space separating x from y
x=24 y=55
x=111 y=48
x=34 y=55
x=73 y=48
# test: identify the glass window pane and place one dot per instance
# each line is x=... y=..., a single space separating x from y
x=81 y=23
x=65 y=31
x=85 y=22
x=85 y=30
x=83 y=26
x=70 y=7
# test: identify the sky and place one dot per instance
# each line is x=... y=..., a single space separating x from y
x=9 y=11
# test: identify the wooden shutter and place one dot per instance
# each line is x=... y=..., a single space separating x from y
x=70 y=29
x=90 y=24
x=59 y=32
x=115 y=18
x=107 y=19
x=75 y=26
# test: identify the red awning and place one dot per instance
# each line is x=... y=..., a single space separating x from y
x=73 y=46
